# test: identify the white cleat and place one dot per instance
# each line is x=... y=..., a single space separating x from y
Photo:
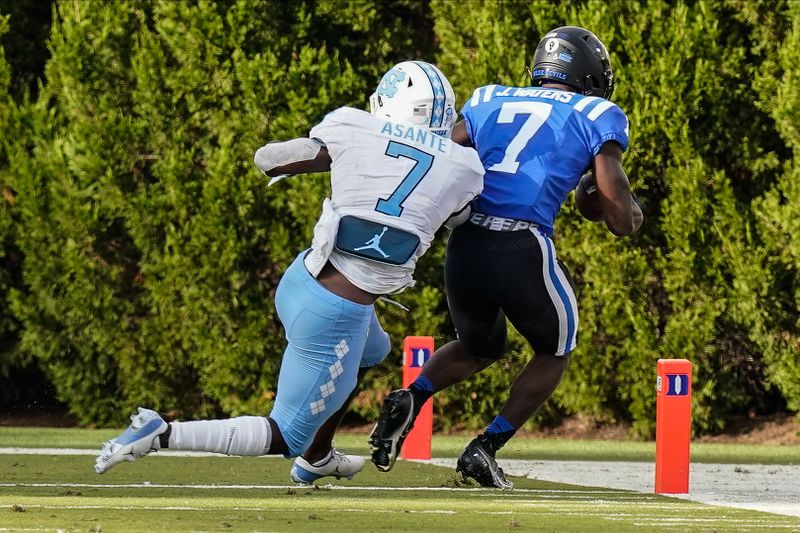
x=134 y=442
x=338 y=466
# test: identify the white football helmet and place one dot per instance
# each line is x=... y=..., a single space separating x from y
x=416 y=92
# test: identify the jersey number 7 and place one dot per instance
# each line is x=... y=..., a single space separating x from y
x=393 y=205
x=538 y=111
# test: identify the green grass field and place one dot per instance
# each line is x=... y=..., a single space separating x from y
x=451 y=446
x=160 y=493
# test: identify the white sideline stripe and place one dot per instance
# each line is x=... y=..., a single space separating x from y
x=653 y=521
x=147 y=485
x=188 y=508
x=650 y=520
x=659 y=522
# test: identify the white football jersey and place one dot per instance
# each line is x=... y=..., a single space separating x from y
x=395 y=175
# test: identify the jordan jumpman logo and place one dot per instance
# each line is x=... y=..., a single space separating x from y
x=375 y=243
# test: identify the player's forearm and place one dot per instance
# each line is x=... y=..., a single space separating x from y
x=619 y=217
x=638 y=214
x=621 y=213
x=625 y=221
x=295 y=156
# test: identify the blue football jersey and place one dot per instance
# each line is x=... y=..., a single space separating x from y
x=535 y=144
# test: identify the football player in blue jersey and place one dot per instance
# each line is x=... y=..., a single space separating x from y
x=535 y=144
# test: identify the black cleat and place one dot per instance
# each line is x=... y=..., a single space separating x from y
x=394 y=423
x=477 y=462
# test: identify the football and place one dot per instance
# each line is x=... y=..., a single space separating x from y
x=587 y=200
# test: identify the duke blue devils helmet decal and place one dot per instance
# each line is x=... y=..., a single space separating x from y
x=416 y=92
x=575 y=57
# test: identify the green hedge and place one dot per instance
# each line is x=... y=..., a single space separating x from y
x=9 y=128
x=150 y=246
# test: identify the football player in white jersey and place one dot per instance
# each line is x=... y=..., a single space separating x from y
x=396 y=178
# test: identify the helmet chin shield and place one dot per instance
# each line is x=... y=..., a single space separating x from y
x=417 y=93
x=574 y=57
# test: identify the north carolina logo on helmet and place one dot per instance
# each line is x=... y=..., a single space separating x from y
x=388 y=85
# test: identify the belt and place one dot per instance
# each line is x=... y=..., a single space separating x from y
x=495 y=223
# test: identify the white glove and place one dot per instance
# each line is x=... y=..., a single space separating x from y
x=458 y=218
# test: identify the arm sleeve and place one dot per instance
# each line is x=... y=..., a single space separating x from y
x=276 y=154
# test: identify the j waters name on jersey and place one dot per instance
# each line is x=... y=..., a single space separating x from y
x=560 y=96
x=531 y=92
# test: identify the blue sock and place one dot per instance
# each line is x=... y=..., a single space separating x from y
x=421 y=390
x=500 y=425
x=498 y=433
x=422 y=383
